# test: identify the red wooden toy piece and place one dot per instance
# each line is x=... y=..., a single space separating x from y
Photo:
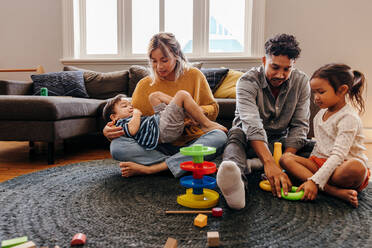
x=79 y=239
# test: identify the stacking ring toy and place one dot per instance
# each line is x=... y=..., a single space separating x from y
x=265 y=185
x=293 y=195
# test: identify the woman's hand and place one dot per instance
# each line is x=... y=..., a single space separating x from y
x=110 y=131
x=189 y=121
x=310 y=190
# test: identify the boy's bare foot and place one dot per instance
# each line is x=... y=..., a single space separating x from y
x=129 y=169
x=213 y=126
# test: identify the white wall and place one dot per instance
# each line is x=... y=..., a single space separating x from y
x=30 y=35
x=328 y=31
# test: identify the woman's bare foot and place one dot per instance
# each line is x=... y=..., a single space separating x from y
x=129 y=169
x=212 y=126
x=348 y=195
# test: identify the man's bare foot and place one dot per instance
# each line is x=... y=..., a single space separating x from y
x=213 y=125
x=129 y=169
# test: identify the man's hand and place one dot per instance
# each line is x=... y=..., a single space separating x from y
x=310 y=190
x=110 y=131
x=277 y=178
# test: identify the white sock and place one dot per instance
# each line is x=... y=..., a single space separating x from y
x=254 y=164
x=230 y=182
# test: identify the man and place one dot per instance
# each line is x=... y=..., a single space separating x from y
x=272 y=104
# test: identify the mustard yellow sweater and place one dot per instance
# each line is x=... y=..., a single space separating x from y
x=192 y=81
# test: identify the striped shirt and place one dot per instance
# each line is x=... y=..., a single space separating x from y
x=148 y=132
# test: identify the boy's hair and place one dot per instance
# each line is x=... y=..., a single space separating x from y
x=340 y=74
x=109 y=107
x=168 y=43
x=283 y=44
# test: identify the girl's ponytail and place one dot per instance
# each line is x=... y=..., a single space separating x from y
x=356 y=91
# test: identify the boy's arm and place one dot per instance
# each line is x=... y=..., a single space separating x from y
x=135 y=122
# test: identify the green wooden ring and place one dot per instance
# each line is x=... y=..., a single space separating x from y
x=293 y=195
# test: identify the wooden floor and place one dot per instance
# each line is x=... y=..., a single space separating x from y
x=15 y=159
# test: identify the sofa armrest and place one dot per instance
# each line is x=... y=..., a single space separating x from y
x=10 y=87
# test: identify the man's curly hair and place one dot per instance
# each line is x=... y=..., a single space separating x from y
x=283 y=44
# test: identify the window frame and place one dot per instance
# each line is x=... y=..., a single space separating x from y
x=255 y=10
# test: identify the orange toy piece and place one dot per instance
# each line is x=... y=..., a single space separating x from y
x=201 y=220
x=79 y=239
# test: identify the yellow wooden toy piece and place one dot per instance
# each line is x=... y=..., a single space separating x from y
x=201 y=220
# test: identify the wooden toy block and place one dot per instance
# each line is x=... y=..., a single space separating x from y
x=200 y=220
x=213 y=239
x=79 y=239
x=28 y=244
x=171 y=243
x=13 y=242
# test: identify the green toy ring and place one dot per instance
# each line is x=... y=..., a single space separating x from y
x=293 y=195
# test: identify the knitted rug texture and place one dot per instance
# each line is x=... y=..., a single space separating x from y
x=51 y=206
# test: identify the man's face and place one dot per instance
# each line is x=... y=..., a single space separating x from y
x=277 y=68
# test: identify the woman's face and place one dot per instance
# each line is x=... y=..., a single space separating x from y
x=163 y=66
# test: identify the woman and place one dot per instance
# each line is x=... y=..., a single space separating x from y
x=170 y=73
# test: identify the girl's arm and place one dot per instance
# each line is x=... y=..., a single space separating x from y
x=347 y=130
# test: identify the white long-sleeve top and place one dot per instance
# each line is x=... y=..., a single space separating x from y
x=339 y=138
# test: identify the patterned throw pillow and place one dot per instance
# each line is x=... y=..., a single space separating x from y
x=215 y=76
x=66 y=83
x=227 y=89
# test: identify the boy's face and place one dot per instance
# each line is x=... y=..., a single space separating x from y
x=122 y=109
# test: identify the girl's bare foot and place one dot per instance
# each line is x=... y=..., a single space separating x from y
x=348 y=195
x=129 y=169
x=213 y=125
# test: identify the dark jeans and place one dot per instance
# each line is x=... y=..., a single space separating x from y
x=238 y=149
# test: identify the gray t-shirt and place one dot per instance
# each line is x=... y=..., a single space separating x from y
x=260 y=114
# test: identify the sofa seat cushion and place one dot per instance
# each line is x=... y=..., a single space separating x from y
x=47 y=108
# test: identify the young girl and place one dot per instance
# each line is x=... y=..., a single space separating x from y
x=337 y=165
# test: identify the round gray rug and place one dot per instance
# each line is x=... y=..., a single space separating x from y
x=50 y=206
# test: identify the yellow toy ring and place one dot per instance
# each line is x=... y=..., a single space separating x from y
x=265 y=185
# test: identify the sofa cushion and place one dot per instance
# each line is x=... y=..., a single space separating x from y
x=103 y=85
x=63 y=83
x=136 y=73
x=227 y=89
x=214 y=76
x=47 y=108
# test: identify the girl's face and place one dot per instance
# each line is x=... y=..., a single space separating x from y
x=163 y=66
x=324 y=94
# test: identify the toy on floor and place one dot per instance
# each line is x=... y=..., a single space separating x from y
x=213 y=239
x=199 y=193
x=200 y=220
x=13 y=242
x=79 y=239
x=171 y=243
x=216 y=212
x=28 y=244
x=265 y=184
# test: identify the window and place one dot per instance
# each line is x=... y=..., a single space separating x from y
x=123 y=28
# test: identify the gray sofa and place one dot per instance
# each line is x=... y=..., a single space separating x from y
x=26 y=117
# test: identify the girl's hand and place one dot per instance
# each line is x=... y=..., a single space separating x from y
x=310 y=190
x=110 y=131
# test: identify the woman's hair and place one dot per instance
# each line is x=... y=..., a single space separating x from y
x=340 y=74
x=168 y=44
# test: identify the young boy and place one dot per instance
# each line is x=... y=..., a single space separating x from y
x=165 y=126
